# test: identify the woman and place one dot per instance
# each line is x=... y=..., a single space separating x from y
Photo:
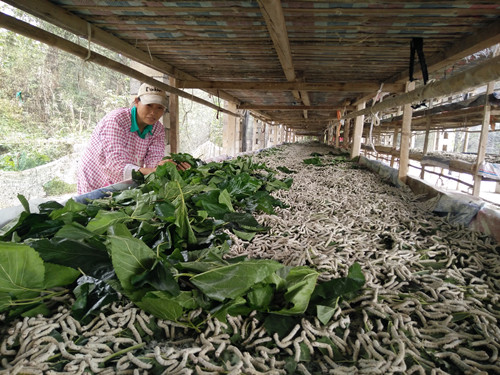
x=126 y=139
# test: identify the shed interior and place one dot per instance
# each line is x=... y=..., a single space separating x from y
x=306 y=68
x=346 y=74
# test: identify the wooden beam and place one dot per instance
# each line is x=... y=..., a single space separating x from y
x=272 y=12
x=355 y=87
x=264 y=107
x=304 y=96
x=473 y=77
x=275 y=21
x=487 y=37
x=56 y=15
x=23 y=28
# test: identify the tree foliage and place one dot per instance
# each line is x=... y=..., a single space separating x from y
x=47 y=91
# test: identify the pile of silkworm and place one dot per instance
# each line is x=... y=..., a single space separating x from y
x=430 y=304
x=471 y=158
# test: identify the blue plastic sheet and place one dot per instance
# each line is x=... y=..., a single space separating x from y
x=105 y=191
x=458 y=209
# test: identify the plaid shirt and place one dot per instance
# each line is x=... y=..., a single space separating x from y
x=113 y=151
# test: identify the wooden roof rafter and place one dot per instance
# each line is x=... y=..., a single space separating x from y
x=58 y=16
x=297 y=86
x=272 y=12
x=283 y=60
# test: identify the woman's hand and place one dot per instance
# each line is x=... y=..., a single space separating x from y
x=180 y=166
x=145 y=171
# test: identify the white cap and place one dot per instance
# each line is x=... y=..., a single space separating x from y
x=149 y=94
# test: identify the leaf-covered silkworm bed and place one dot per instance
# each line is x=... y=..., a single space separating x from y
x=430 y=304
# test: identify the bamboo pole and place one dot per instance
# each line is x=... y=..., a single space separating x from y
x=43 y=36
x=476 y=76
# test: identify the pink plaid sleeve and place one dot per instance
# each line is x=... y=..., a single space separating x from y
x=114 y=145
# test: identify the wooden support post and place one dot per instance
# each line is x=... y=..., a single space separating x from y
x=437 y=136
x=264 y=134
x=426 y=141
x=255 y=129
x=466 y=140
x=276 y=135
x=358 y=132
x=394 y=144
x=246 y=131
x=483 y=140
x=404 y=148
x=229 y=131
x=173 y=105
x=238 y=136
x=347 y=133
x=337 y=135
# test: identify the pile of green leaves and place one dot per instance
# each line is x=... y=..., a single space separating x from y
x=316 y=159
x=162 y=245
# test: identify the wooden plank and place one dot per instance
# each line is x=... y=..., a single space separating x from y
x=264 y=107
x=354 y=87
x=461 y=8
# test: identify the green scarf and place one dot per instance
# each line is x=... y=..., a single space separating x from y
x=135 y=126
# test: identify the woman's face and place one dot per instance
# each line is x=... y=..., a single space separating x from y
x=148 y=114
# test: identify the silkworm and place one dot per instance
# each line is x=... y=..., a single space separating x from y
x=134 y=330
x=259 y=341
x=143 y=325
x=334 y=219
x=280 y=343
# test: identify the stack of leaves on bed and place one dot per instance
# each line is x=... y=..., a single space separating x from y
x=162 y=245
